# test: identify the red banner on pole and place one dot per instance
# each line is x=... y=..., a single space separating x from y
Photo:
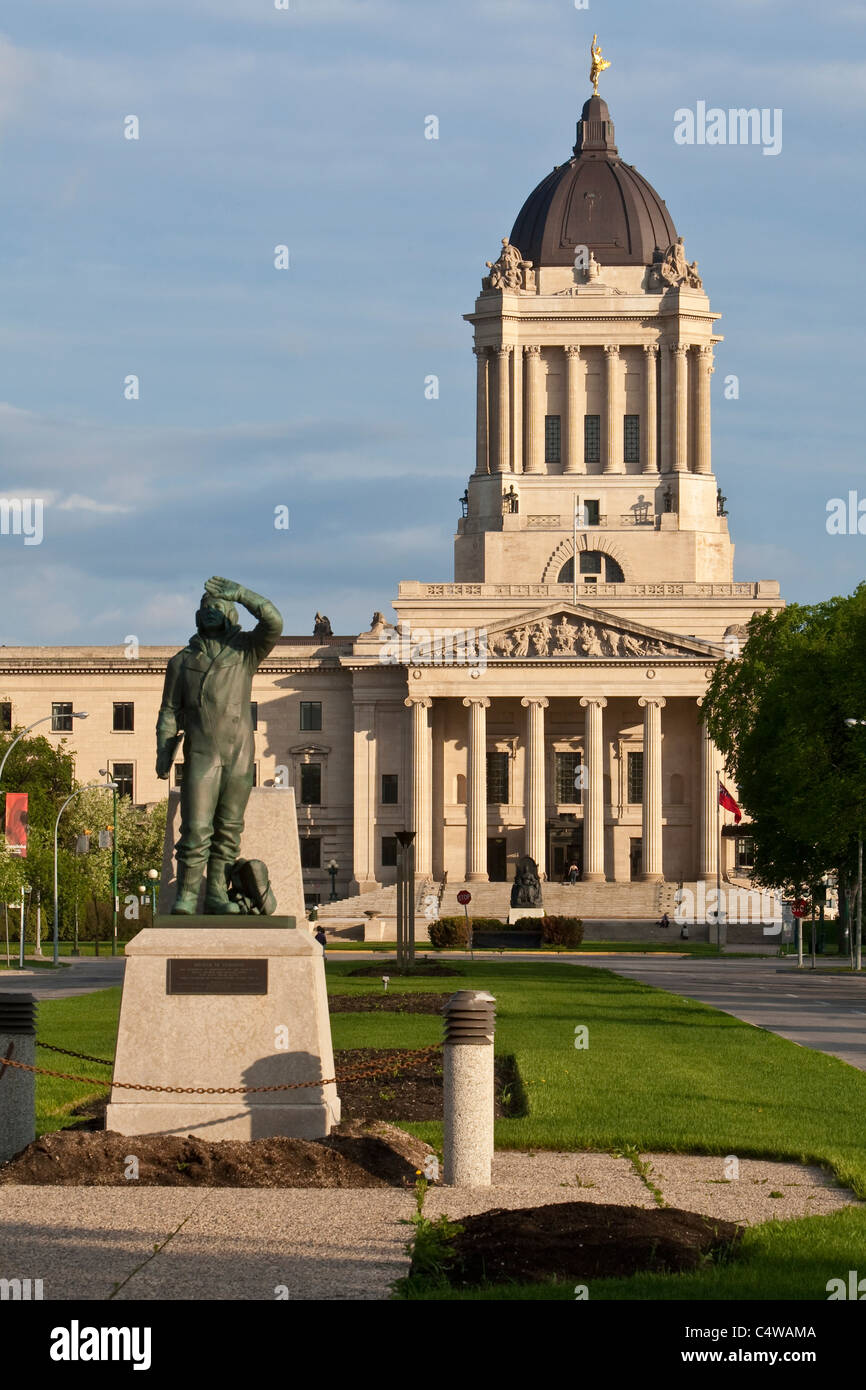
x=16 y=823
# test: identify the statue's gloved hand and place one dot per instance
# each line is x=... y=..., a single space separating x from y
x=223 y=588
x=163 y=763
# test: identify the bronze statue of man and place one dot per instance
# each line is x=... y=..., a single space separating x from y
x=206 y=701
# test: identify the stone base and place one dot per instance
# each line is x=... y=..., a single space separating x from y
x=515 y=913
x=268 y=1025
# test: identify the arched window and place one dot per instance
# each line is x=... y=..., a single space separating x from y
x=461 y=789
x=594 y=565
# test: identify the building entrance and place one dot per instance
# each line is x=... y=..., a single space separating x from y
x=564 y=847
x=497 y=859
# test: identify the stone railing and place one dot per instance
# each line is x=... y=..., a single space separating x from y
x=750 y=590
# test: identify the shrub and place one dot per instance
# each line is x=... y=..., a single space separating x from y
x=562 y=931
x=483 y=924
x=449 y=931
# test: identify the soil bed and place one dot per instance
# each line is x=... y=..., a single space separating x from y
x=387 y=1003
x=414 y=1094
x=584 y=1240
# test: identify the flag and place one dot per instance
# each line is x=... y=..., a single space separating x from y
x=16 y=823
x=726 y=800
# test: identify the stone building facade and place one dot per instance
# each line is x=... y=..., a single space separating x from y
x=547 y=700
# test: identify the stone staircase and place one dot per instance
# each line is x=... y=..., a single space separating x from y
x=646 y=901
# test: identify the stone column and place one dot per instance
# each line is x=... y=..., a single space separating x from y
x=613 y=411
x=666 y=367
x=679 y=353
x=652 y=786
x=533 y=424
x=422 y=792
x=482 y=407
x=501 y=460
x=476 y=789
x=575 y=409
x=534 y=795
x=364 y=798
x=593 y=814
x=709 y=845
x=703 y=368
x=517 y=410
x=650 y=413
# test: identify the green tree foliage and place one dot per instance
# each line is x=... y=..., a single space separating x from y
x=778 y=714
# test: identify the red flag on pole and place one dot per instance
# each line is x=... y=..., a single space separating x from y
x=726 y=800
x=16 y=823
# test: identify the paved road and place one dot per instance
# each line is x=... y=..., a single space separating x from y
x=818 y=1010
x=81 y=977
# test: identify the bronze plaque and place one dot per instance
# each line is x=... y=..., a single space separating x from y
x=186 y=976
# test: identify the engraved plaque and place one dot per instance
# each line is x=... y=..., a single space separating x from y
x=189 y=976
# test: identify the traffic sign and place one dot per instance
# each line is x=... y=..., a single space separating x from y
x=800 y=908
x=463 y=897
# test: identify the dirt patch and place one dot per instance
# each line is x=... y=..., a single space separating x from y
x=354 y=1155
x=389 y=967
x=387 y=1003
x=415 y=1094
x=584 y=1240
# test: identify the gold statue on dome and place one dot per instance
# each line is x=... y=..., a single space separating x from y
x=598 y=64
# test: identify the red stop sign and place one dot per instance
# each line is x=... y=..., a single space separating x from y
x=463 y=897
x=800 y=908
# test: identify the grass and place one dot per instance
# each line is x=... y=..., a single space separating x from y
x=87 y=1023
x=786 y=1260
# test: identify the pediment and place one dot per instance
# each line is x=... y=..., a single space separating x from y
x=567 y=630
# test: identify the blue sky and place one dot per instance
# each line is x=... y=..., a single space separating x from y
x=305 y=388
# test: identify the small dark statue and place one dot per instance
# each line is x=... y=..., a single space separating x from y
x=526 y=890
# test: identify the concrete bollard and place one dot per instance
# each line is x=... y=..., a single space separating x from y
x=17 y=1088
x=468 y=1088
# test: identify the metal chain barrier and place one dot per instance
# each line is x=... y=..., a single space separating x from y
x=84 y=1056
x=384 y=1067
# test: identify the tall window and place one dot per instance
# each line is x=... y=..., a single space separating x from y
x=123 y=721
x=311 y=715
x=745 y=852
x=592 y=439
x=591 y=512
x=631 y=438
x=390 y=787
x=311 y=784
x=567 y=768
x=123 y=774
x=389 y=851
x=635 y=778
x=497 y=778
x=552 y=439
x=61 y=717
x=254 y=712
x=5 y=716
x=311 y=852
x=178 y=774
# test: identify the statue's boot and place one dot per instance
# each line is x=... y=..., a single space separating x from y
x=217 y=901
x=189 y=877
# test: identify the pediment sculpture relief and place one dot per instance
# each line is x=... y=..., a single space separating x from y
x=564 y=636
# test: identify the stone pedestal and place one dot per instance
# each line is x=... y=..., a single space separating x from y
x=211 y=1005
x=515 y=913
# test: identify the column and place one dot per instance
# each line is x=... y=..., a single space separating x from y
x=666 y=367
x=575 y=409
x=501 y=461
x=650 y=415
x=422 y=793
x=534 y=795
x=679 y=353
x=482 y=423
x=708 y=855
x=703 y=368
x=516 y=444
x=364 y=799
x=613 y=433
x=533 y=425
x=476 y=789
x=652 y=786
x=593 y=815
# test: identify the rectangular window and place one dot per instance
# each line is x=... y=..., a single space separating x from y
x=389 y=788
x=178 y=774
x=255 y=774
x=592 y=439
x=631 y=438
x=311 y=784
x=745 y=853
x=590 y=562
x=567 y=770
x=123 y=774
x=591 y=512
x=497 y=779
x=389 y=851
x=552 y=439
x=311 y=852
x=635 y=778
x=254 y=711
x=5 y=716
x=123 y=721
x=61 y=717
x=311 y=715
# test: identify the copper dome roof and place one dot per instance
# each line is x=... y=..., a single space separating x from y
x=594 y=200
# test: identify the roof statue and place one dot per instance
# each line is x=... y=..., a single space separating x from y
x=598 y=64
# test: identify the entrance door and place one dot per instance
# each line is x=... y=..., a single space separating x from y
x=635 y=859
x=497 y=860
x=564 y=847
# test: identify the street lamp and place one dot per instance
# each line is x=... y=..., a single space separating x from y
x=108 y=786
x=153 y=875
x=852 y=723
x=333 y=870
x=76 y=714
x=104 y=772
x=406 y=897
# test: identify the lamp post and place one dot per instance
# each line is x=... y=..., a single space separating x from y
x=104 y=772
x=153 y=875
x=76 y=714
x=333 y=870
x=108 y=786
x=406 y=897
x=858 y=953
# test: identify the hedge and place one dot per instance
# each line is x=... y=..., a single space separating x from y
x=555 y=931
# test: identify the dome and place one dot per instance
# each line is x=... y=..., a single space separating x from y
x=594 y=200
